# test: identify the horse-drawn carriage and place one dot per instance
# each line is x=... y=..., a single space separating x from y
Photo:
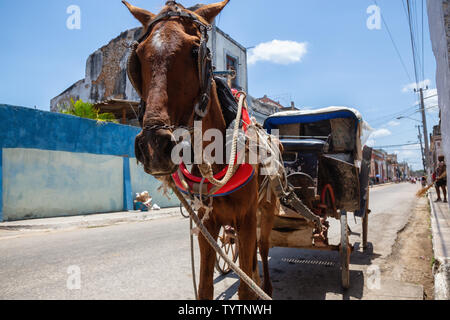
x=325 y=171
x=328 y=169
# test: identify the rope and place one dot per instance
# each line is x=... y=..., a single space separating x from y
x=244 y=277
x=193 y=258
x=206 y=168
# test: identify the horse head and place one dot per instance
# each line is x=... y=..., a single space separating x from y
x=170 y=77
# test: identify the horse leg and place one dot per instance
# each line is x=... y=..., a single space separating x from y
x=207 y=262
x=267 y=217
x=247 y=253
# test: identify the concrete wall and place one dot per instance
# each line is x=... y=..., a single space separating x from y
x=439 y=21
x=58 y=165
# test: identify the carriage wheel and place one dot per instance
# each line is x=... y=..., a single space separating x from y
x=345 y=251
x=228 y=242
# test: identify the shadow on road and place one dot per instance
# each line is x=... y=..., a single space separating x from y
x=230 y=291
x=310 y=275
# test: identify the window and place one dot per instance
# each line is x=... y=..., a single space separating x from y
x=233 y=65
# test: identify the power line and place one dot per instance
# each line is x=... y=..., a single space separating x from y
x=434 y=95
x=413 y=42
x=392 y=116
x=396 y=146
x=393 y=43
x=423 y=42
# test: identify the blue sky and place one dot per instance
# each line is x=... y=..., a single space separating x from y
x=345 y=63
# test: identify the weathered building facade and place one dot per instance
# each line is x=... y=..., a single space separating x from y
x=439 y=22
x=436 y=149
x=378 y=167
x=106 y=76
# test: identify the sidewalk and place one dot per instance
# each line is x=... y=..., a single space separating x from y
x=88 y=221
x=440 y=224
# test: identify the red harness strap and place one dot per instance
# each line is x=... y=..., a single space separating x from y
x=245 y=116
x=243 y=175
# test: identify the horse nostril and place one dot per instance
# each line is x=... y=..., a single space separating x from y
x=138 y=150
x=166 y=142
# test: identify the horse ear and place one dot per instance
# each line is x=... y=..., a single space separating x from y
x=210 y=11
x=142 y=15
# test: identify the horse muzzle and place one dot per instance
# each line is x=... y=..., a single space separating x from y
x=154 y=151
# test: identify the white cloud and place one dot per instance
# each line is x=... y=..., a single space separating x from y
x=278 y=51
x=393 y=123
x=370 y=143
x=431 y=101
x=411 y=86
x=409 y=153
x=380 y=133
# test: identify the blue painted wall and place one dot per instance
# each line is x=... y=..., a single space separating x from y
x=35 y=129
x=61 y=136
x=1 y=184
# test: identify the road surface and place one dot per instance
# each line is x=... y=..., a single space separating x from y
x=151 y=260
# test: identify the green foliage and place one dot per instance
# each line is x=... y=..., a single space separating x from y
x=87 y=110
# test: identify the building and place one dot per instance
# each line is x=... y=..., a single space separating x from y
x=436 y=150
x=106 y=76
x=264 y=107
x=439 y=25
x=106 y=83
x=378 y=168
x=404 y=171
x=260 y=110
x=392 y=167
x=385 y=167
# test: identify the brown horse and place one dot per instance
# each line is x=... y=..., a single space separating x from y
x=171 y=87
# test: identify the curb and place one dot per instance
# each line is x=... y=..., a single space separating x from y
x=441 y=268
x=441 y=280
x=381 y=185
x=88 y=221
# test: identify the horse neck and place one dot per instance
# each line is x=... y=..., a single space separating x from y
x=215 y=120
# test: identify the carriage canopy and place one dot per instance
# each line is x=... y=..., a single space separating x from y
x=344 y=125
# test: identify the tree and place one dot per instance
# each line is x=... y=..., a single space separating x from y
x=88 y=111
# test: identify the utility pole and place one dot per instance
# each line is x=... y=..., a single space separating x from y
x=425 y=133
x=421 y=149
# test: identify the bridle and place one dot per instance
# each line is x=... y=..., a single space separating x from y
x=204 y=65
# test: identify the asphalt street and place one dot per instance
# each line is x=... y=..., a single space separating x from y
x=151 y=260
